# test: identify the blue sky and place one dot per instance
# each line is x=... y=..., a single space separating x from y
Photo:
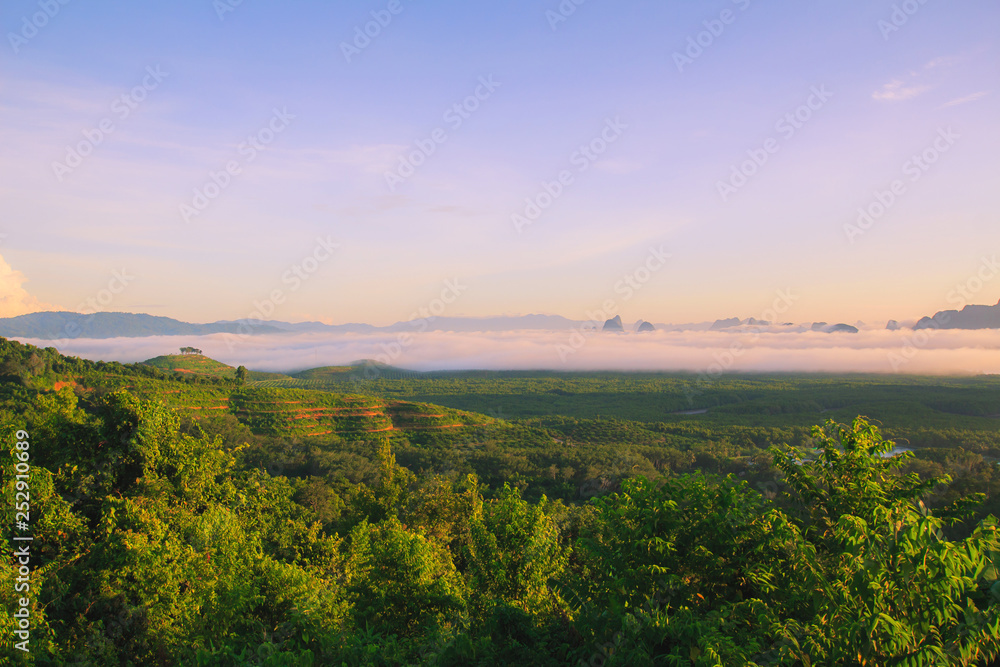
x=328 y=128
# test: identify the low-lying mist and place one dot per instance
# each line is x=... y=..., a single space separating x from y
x=876 y=351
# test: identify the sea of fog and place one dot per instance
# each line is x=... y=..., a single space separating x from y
x=875 y=350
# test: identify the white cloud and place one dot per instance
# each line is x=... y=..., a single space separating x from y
x=14 y=299
x=945 y=61
x=897 y=90
x=968 y=98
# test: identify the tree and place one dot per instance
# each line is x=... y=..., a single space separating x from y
x=399 y=581
x=513 y=554
x=852 y=475
x=884 y=584
x=241 y=375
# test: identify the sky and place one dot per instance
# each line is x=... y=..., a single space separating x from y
x=670 y=161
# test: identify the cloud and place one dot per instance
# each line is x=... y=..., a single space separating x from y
x=896 y=91
x=14 y=299
x=945 y=61
x=968 y=98
x=871 y=351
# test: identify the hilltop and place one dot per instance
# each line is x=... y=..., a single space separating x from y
x=198 y=364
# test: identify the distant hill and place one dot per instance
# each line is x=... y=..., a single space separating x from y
x=66 y=325
x=324 y=373
x=823 y=327
x=197 y=364
x=502 y=323
x=614 y=324
x=970 y=317
x=545 y=322
x=365 y=369
x=718 y=325
x=61 y=325
x=841 y=328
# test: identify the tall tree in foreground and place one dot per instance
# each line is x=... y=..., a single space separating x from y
x=886 y=585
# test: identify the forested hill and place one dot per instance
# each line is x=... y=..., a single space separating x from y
x=183 y=519
x=63 y=325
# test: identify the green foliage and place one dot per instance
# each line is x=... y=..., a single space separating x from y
x=875 y=555
x=514 y=552
x=691 y=540
x=853 y=475
x=399 y=582
x=133 y=436
x=898 y=592
x=195 y=521
x=679 y=569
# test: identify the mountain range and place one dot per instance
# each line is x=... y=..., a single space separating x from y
x=62 y=325
x=970 y=317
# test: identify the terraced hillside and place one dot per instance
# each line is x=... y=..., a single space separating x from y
x=205 y=391
x=291 y=412
x=312 y=413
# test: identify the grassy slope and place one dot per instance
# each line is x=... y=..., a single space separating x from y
x=192 y=363
x=284 y=412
